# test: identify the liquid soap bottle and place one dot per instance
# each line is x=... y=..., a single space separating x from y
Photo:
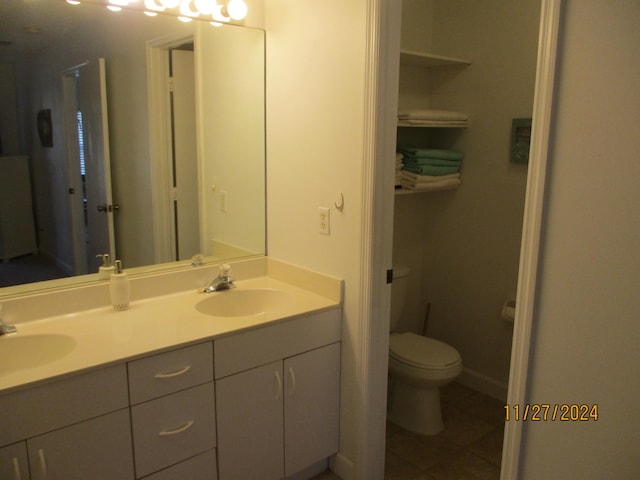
x=119 y=288
x=106 y=269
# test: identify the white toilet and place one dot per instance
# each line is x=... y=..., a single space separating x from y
x=418 y=366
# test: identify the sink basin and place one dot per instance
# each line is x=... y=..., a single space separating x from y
x=20 y=352
x=241 y=303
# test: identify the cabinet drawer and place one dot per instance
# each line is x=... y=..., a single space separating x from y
x=173 y=428
x=263 y=345
x=169 y=372
x=200 y=467
x=40 y=409
x=13 y=462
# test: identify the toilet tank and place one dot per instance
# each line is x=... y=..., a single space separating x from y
x=398 y=293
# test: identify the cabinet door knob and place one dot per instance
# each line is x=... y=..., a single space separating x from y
x=186 y=426
x=177 y=373
x=43 y=462
x=16 y=469
x=278 y=384
x=292 y=377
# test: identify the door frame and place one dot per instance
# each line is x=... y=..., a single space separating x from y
x=377 y=235
x=76 y=214
x=160 y=149
x=101 y=148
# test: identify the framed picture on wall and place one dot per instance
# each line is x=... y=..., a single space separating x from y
x=45 y=129
x=520 y=140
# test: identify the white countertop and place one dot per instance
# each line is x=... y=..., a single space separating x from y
x=102 y=336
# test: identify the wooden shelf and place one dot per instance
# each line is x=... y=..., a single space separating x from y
x=427 y=60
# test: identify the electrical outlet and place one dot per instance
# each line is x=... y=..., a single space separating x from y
x=223 y=201
x=324 y=220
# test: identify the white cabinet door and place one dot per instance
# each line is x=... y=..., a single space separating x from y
x=278 y=419
x=13 y=462
x=250 y=436
x=312 y=405
x=96 y=449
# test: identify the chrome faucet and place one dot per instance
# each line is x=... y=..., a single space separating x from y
x=222 y=282
x=4 y=329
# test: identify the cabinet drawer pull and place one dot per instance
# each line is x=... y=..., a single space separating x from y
x=292 y=377
x=278 y=385
x=177 y=373
x=186 y=426
x=43 y=462
x=16 y=469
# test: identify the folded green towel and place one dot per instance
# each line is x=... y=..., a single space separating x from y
x=420 y=161
x=442 y=154
x=430 y=169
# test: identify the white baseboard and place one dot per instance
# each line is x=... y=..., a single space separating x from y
x=483 y=384
x=342 y=467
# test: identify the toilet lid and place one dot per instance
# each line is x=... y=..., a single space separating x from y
x=422 y=352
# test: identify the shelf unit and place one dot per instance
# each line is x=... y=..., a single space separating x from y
x=429 y=61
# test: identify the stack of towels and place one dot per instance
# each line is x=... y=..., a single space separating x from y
x=399 y=157
x=432 y=118
x=428 y=169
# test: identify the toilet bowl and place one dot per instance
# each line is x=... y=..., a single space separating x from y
x=418 y=366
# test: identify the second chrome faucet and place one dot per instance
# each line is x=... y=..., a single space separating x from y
x=224 y=281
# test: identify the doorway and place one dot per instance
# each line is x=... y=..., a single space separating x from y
x=527 y=270
x=90 y=203
x=173 y=145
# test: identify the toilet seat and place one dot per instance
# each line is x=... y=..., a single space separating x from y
x=422 y=352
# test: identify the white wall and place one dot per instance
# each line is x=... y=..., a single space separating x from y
x=463 y=245
x=587 y=331
x=232 y=106
x=315 y=90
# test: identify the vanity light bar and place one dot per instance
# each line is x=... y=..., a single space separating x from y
x=185 y=10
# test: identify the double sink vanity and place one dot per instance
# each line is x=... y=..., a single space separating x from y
x=236 y=384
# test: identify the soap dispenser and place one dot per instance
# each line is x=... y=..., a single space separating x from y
x=106 y=269
x=119 y=288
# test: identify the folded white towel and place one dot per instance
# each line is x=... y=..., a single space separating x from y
x=429 y=114
x=432 y=186
x=415 y=178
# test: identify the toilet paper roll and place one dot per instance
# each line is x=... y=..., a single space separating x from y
x=509 y=311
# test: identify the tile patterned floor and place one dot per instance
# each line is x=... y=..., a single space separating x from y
x=469 y=448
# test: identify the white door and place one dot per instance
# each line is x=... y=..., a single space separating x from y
x=249 y=421
x=185 y=175
x=92 y=207
x=97 y=449
x=311 y=407
x=14 y=462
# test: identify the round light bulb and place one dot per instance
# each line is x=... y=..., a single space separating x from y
x=205 y=7
x=170 y=3
x=237 y=9
x=186 y=11
x=152 y=6
x=218 y=14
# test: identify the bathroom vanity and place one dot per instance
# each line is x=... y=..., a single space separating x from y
x=179 y=386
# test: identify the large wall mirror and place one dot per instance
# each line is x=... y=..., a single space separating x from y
x=143 y=137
